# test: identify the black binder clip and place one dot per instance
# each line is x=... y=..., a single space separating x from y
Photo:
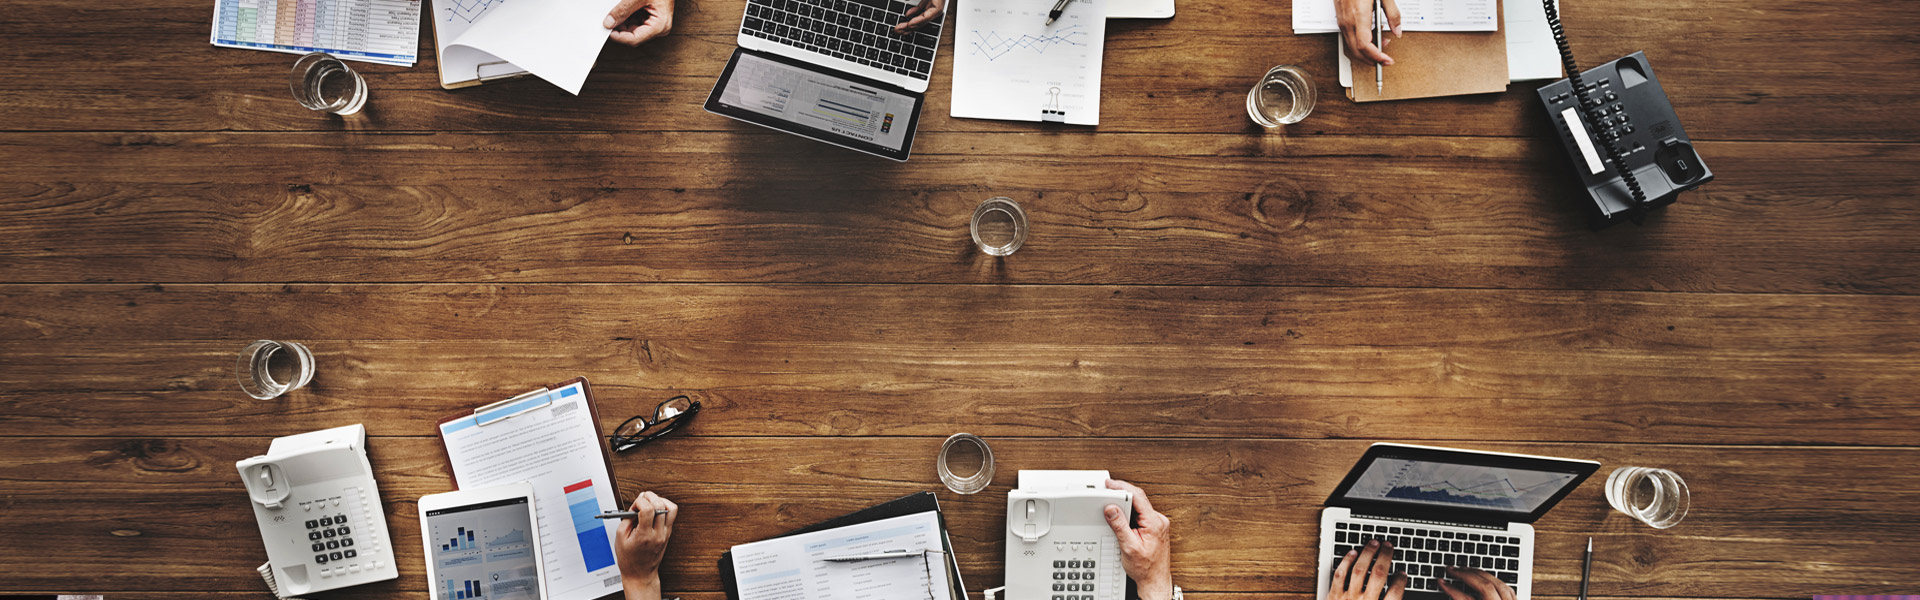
x=1052 y=113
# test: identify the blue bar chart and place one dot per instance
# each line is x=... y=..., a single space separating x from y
x=595 y=549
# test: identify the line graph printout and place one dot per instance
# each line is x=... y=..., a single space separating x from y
x=1009 y=64
x=1458 y=485
x=377 y=31
x=463 y=64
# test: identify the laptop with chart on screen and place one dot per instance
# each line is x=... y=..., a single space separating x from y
x=1441 y=507
x=831 y=70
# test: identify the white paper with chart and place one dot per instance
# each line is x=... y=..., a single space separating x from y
x=551 y=441
x=794 y=567
x=557 y=40
x=1009 y=64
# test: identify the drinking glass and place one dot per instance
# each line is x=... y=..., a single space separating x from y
x=966 y=463
x=265 y=378
x=1284 y=96
x=999 y=226
x=1657 y=497
x=323 y=83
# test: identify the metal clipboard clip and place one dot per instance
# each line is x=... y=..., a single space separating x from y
x=1051 y=111
x=512 y=407
x=487 y=78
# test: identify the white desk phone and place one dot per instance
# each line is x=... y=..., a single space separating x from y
x=319 y=512
x=1059 y=545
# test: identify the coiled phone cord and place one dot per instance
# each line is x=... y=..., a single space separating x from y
x=1610 y=139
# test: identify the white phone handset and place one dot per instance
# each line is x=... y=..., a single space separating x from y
x=319 y=512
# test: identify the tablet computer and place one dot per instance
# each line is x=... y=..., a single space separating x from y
x=483 y=543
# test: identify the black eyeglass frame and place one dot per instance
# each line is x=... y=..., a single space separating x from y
x=622 y=443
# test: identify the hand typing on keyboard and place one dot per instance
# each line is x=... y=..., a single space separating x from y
x=1367 y=573
x=635 y=21
x=926 y=10
x=1475 y=584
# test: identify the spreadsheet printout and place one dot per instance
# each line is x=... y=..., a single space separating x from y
x=378 y=31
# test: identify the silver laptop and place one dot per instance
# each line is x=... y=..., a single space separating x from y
x=1443 y=507
x=831 y=70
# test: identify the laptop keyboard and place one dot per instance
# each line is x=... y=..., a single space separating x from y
x=1423 y=553
x=859 y=31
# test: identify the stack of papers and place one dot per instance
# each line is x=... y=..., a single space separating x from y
x=795 y=567
x=1531 y=53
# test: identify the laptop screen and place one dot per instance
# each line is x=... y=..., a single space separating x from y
x=1465 y=486
x=1495 y=485
x=817 y=103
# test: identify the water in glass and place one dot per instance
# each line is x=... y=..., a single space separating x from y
x=1283 y=96
x=268 y=368
x=324 y=83
x=1657 y=497
x=999 y=226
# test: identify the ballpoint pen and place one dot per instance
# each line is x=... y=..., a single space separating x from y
x=876 y=556
x=1059 y=6
x=1379 y=41
x=1586 y=570
x=627 y=514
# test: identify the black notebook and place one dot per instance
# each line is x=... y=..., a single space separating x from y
x=910 y=504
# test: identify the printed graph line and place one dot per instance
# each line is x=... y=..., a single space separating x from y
x=468 y=10
x=993 y=46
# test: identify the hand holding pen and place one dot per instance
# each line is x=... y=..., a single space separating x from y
x=1357 y=23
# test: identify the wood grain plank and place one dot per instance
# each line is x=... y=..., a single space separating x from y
x=1736 y=235
x=1244 y=510
x=1735 y=70
x=1025 y=361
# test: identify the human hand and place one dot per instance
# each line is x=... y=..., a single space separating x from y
x=1356 y=27
x=632 y=26
x=1475 y=584
x=642 y=543
x=1144 y=551
x=919 y=15
x=1365 y=573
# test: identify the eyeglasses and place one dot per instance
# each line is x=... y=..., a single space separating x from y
x=668 y=416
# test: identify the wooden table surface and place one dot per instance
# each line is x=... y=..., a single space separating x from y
x=1225 y=316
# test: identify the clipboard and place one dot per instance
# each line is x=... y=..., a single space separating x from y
x=440 y=60
x=505 y=409
x=910 y=504
x=1429 y=64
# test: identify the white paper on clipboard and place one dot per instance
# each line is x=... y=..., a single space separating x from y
x=548 y=439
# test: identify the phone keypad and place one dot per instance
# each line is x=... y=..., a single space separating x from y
x=1073 y=576
x=328 y=539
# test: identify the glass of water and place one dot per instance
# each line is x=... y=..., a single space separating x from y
x=999 y=226
x=268 y=368
x=1284 y=96
x=323 y=83
x=1657 y=497
x=965 y=463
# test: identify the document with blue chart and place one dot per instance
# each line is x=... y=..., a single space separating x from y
x=484 y=551
x=1458 y=485
x=551 y=441
x=1009 y=64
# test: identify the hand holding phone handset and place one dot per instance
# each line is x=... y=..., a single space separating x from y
x=319 y=512
x=1058 y=539
x=483 y=543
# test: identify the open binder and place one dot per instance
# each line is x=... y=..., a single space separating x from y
x=910 y=504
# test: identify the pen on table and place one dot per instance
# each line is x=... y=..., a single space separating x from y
x=1379 y=43
x=876 y=556
x=1586 y=570
x=1059 y=6
x=627 y=514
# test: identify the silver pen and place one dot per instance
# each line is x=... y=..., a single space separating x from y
x=1059 y=6
x=1379 y=43
x=890 y=554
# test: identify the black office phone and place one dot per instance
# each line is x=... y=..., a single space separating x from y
x=1625 y=142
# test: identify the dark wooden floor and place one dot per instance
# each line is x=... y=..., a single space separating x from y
x=1224 y=316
